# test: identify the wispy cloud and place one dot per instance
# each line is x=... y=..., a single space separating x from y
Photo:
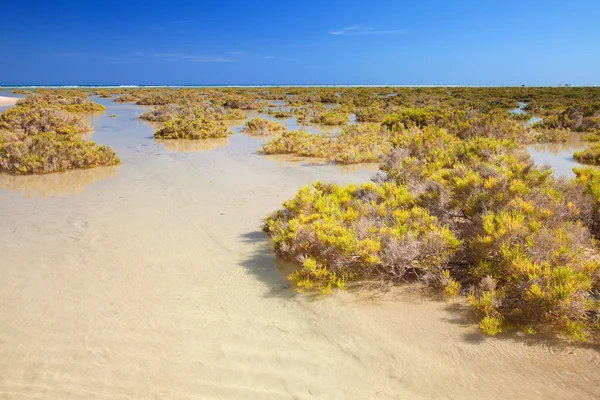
x=202 y=58
x=270 y=57
x=143 y=57
x=366 y=30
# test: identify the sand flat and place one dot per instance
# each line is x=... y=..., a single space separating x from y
x=7 y=101
x=155 y=281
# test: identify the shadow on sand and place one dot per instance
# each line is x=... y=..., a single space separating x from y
x=264 y=266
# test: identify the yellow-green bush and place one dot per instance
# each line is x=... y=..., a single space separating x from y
x=332 y=116
x=47 y=152
x=341 y=234
x=32 y=120
x=590 y=155
x=76 y=102
x=297 y=142
x=193 y=127
x=262 y=127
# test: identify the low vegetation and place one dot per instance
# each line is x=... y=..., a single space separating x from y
x=455 y=208
x=196 y=125
x=262 y=127
x=71 y=101
x=590 y=155
x=38 y=136
x=44 y=140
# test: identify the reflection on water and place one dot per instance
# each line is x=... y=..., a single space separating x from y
x=190 y=145
x=290 y=160
x=559 y=156
x=58 y=184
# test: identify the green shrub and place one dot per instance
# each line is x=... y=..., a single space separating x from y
x=332 y=117
x=48 y=152
x=590 y=155
x=553 y=135
x=370 y=114
x=262 y=127
x=76 y=102
x=32 y=120
x=196 y=127
x=341 y=234
x=297 y=142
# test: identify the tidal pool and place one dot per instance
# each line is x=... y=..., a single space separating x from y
x=154 y=280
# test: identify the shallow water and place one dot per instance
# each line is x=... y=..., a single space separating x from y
x=559 y=156
x=153 y=280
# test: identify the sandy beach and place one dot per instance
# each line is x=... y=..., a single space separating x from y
x=7 y=101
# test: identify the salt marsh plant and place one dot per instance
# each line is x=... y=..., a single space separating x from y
x=262 y=127
x=481 y=221
x=38 y=136
x=193 y=127
x=68 y=101
x=590 y=155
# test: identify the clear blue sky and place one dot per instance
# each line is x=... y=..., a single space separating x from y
x=300 y=42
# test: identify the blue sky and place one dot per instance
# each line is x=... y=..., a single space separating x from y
x=302 y=42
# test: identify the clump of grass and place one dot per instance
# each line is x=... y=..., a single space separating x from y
x=280 y=113
x=332 y=117
x=590 y=155
x=48 y=152
x=113 y=116
x=592 y=136
x=370 y=114
x=354 y=144
x=126 y=98
x=193 y=127
x=297 y=142
x=341 y=234
x=160 y=114
x=38 y=136
x=76 y=102
x=171 y=111
x=33 y=120
x=262 y=127
x=553 y=135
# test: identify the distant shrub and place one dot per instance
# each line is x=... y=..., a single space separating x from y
x=262 y=127
x=126 y=98
x=360 y=143
x=75 y=102
x=370 y=114
x=332 y=117
x=297 y=142
x=172 y=111
x=160 y=114
x=193 y=127
x=280 y=113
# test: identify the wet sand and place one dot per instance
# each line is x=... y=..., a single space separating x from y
x=154 y=281
x=7 y=101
